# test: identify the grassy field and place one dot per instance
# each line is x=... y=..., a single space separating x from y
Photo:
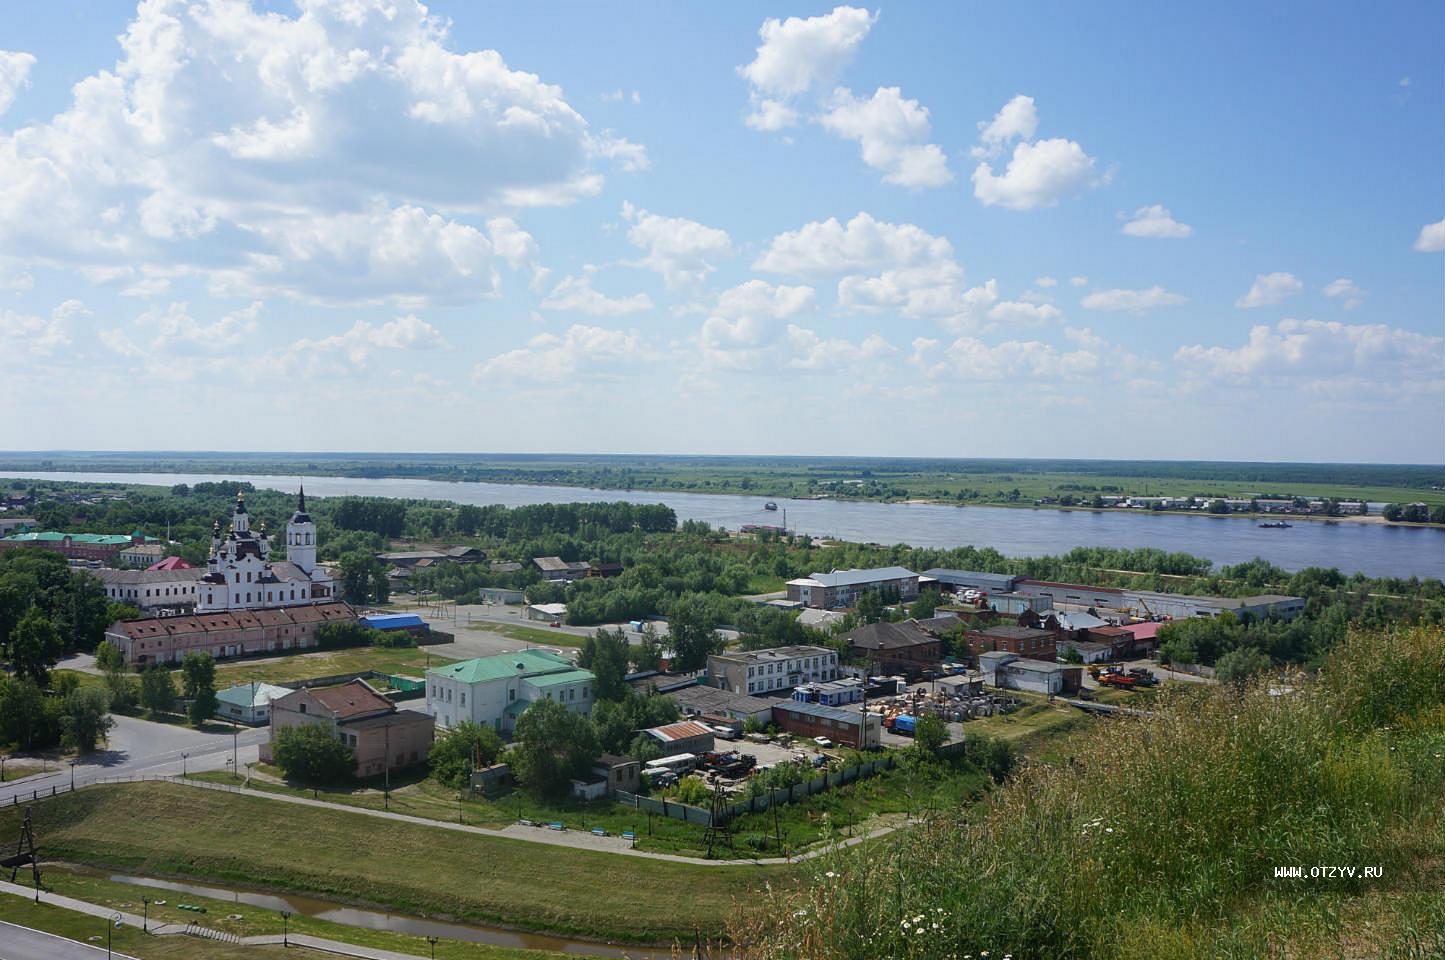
x=301 y=666
x=132 y=942
x=19 y=769
x=98 y=889
x=158 y=829
x=841 y=812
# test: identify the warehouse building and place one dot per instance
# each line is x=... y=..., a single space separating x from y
x=685 y=736
x=841 y=589
x=699 y=699
x=1009 y=671
x=841 y=726
x=956 y=581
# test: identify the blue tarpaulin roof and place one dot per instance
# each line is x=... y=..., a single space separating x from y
x=392 y=621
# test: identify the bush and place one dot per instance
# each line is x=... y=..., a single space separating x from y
x=313 y=755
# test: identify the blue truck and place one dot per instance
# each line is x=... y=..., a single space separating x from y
x=905 y=724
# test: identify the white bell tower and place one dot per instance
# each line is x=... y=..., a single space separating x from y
x=301 y=537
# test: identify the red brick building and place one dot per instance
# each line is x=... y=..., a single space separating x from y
x=1028 y=642
x=379 y=735
x=234 y=634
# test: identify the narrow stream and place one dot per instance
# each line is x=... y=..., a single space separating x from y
x=397 y=923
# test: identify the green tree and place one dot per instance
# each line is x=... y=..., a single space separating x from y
x=35 y=645
x=924 y=606
x=28 y=719
x=83 y=720
x=605 y=653
x=157 y=689
x=647 y=655
x=870 y=606
x=458 y=751
x=554 y=746
x=692 y=635
x=929 y=735
x=363 y=578
x=108 y=657
x=198 y=680
x=1237 y=666
x=310 y=753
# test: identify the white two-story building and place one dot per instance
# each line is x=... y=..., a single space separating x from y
x=759 y=672
x=494 y=691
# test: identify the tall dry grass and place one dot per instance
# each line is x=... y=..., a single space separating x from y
x=1163 y=828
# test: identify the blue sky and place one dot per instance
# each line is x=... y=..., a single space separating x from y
x=1100 y=230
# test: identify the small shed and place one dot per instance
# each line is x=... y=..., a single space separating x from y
x=249 y=703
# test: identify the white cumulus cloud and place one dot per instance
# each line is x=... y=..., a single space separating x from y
x=1345 y=288
x=1132 y=301
x=1431 y=238
x=1020 y=312
x=576 y=294
x=1156 y=222
x=14 y=75
x=1037 y=175
x=893 y=133
x=1268 y=289
x=682 y=251
x=581 y=351
x=1315 y=349
x=1016 y=120
x=342 y=117
x=799 y=55
x=864 y=244
x=818 y=354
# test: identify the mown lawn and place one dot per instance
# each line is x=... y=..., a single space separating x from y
x=98 y=889
x=159 y=829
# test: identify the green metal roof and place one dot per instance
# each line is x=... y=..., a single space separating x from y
x=566 y=676
x=517 y=707
x=534 y=663
x=95 y=539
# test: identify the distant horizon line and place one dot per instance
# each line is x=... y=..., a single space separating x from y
x=336 y=454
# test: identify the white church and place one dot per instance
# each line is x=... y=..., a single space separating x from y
x=240 y=574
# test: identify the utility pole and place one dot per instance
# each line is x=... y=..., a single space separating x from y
x=386 y=788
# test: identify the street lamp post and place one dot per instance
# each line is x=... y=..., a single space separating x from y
x=184 y=756
x=114 y=925
x=72 y=776
x=432 y=942
x=235 y=739
x=145 y=917
x=285 y=928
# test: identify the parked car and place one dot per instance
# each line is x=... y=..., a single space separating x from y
x=555 y=623
x=823 y=742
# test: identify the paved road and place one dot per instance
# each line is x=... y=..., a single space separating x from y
x=142 y=748
x=23 y=943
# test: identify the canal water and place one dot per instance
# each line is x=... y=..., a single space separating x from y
x=305 y=906
x=1373 y=548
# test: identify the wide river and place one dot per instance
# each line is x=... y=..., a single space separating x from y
x=1375 y=549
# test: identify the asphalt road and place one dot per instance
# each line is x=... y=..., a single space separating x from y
x=142 y=748
x=23 y=943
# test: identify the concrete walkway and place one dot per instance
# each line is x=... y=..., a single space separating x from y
x=575 y=839
x=177 y=929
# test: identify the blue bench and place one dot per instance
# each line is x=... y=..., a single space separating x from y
x=598 y=832
x=556 y=825
x=629 y=835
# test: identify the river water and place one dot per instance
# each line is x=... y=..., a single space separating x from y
x=1375 y=549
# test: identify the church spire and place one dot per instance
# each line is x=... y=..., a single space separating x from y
x=301 y=500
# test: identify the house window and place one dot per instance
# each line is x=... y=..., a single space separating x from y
x=302 y=708
x=464 y=698
x=511 y=695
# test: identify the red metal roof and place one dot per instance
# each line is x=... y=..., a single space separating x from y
x=169 y=563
